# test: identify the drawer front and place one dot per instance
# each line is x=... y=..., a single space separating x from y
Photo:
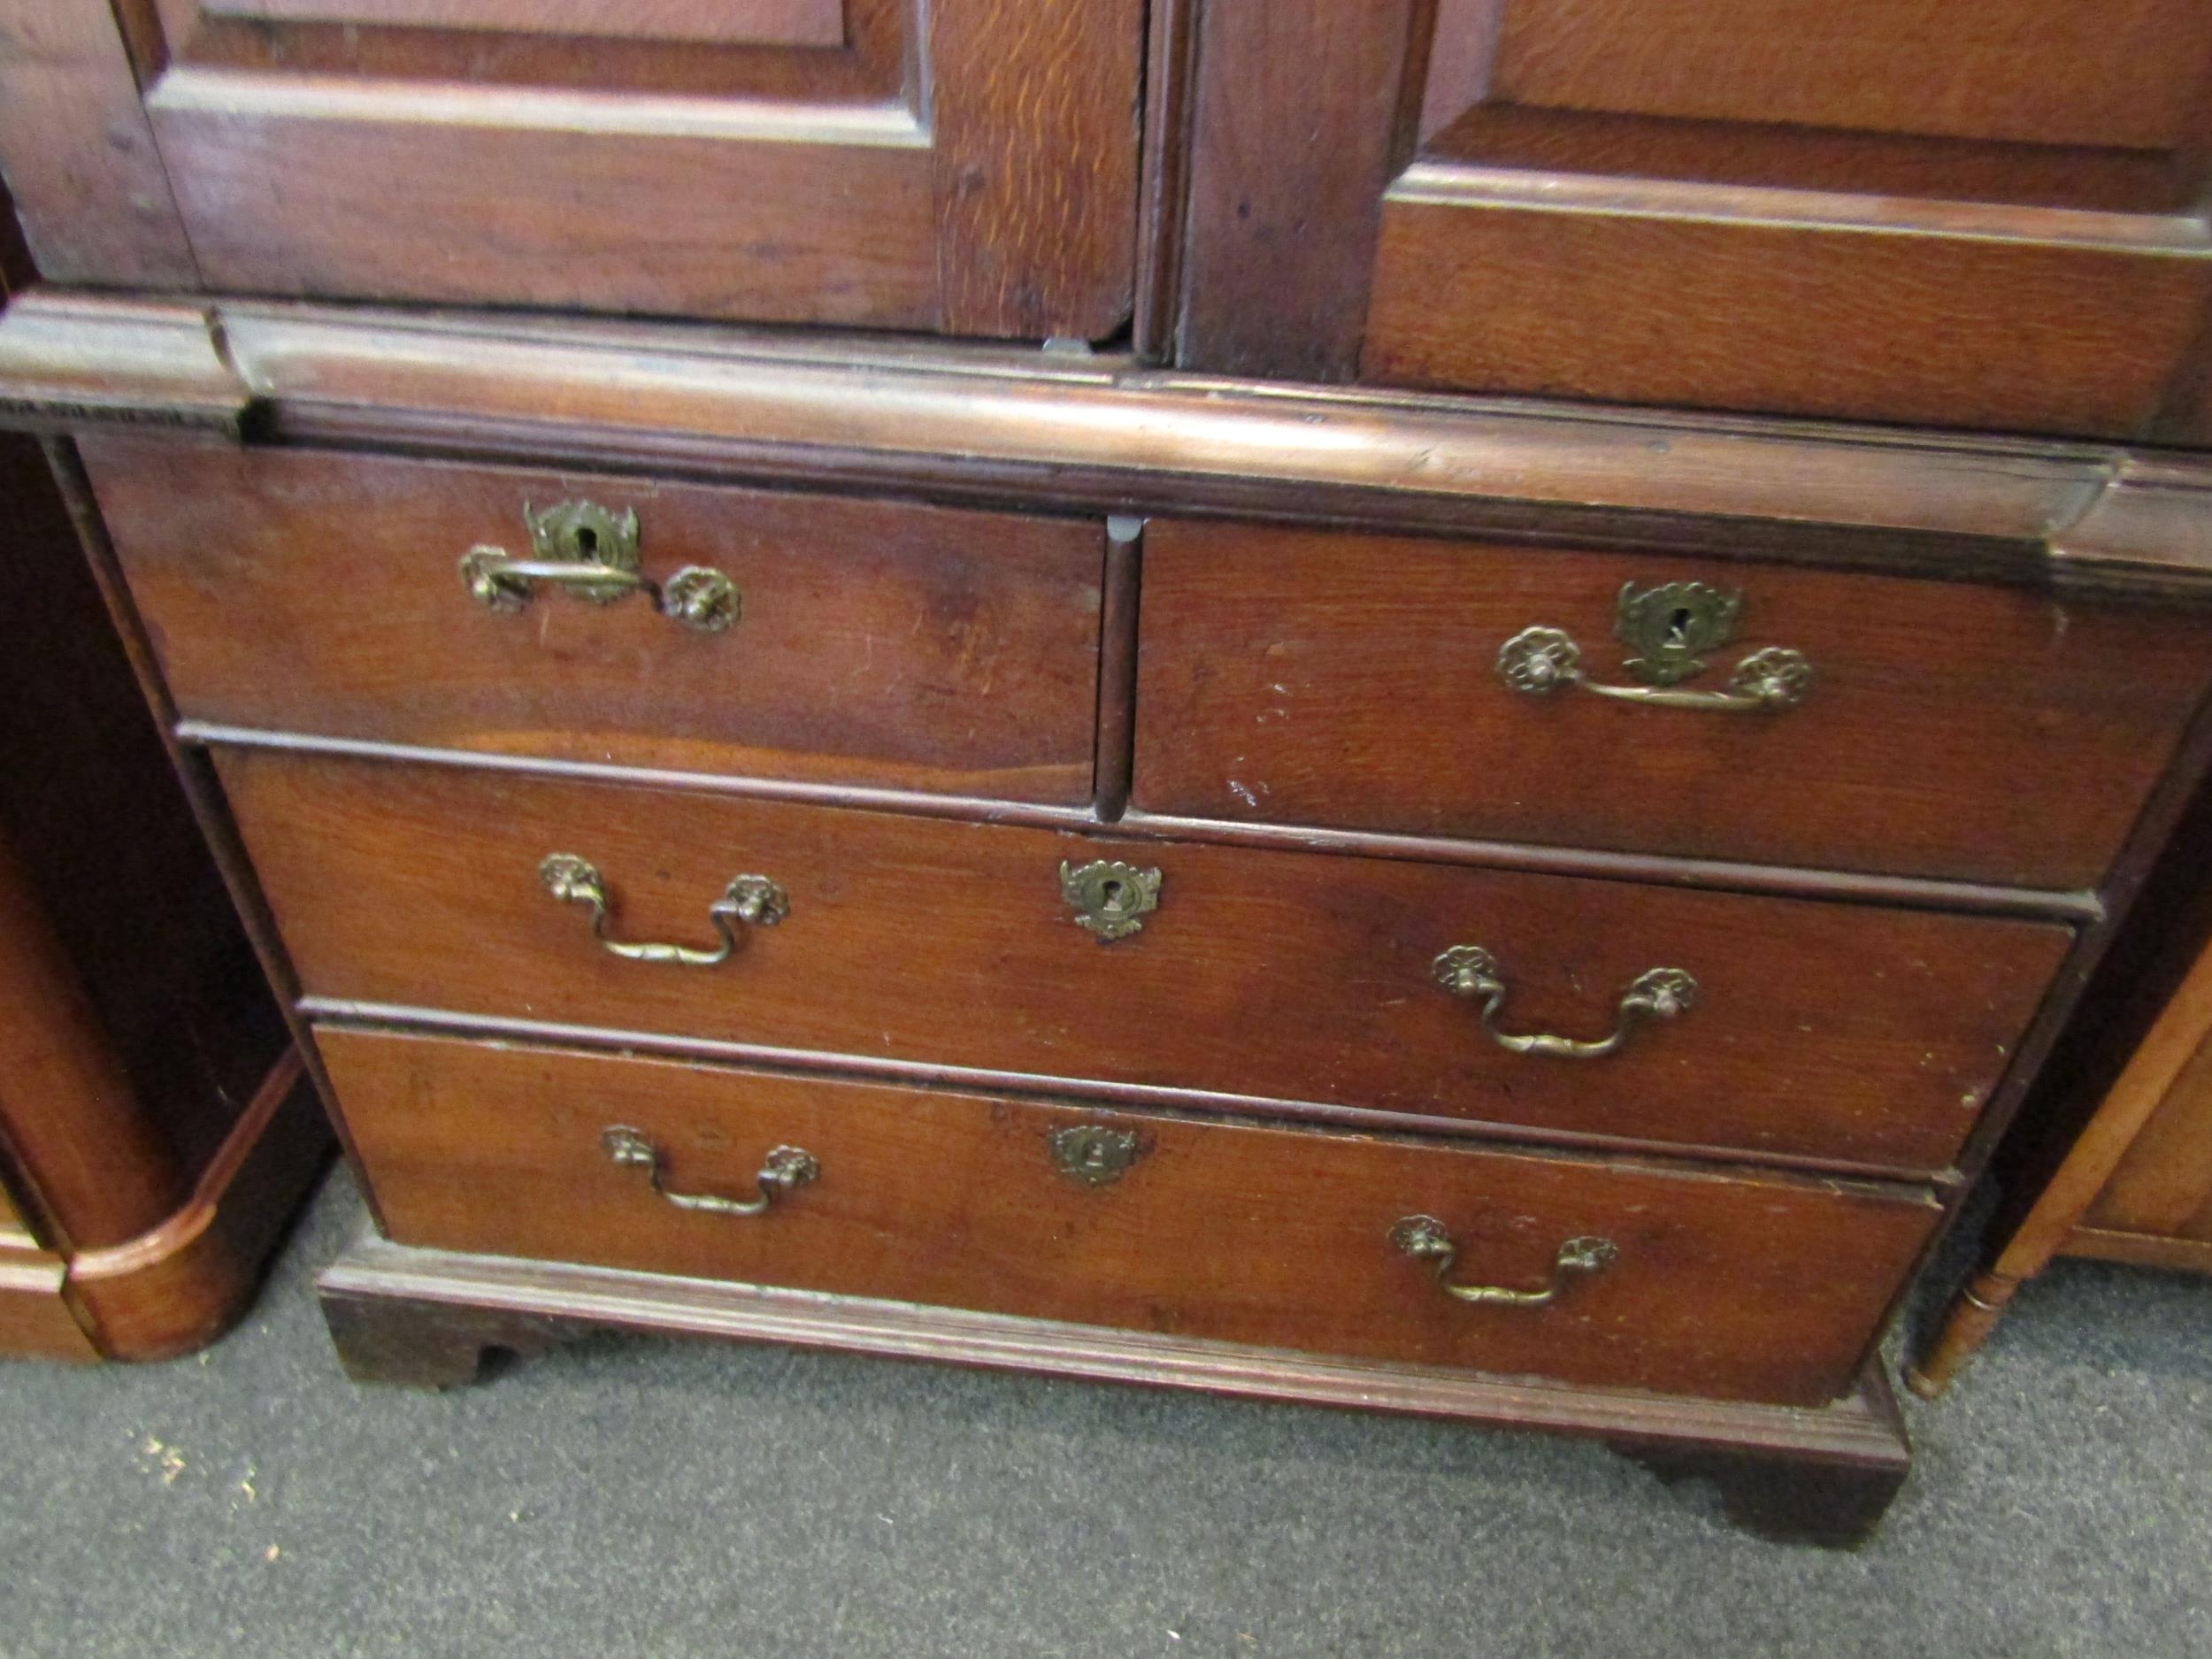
x=1735 y=1287
x=1980 y=733
x=874 y=643
x=1818 y=1029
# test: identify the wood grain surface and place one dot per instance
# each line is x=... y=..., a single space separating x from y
x=1306 y=678
x=1821 y=1030
x=879 y=644
x=1735 y=1288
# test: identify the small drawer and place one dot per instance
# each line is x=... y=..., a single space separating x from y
x=1810 y=1030
x=801 y=637
x=1736 y=1287
x=1758 y=712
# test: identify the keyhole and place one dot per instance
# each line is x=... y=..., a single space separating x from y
x=1679 y=628
x=586 y=540
x=1110 y=894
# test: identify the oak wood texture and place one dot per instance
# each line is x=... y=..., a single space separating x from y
x=969 y=166
x=1822 y=1031
x=1989 y=215
x=994 y=425
x=877 y=645
x=1306 y=677
x=1735 y=1288
x=78 y=155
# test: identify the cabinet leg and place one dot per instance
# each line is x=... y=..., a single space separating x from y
x=1786 y=1499
x=425 y=1344
x=1972 y=1315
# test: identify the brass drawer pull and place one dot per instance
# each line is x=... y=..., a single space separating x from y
x=1669 y=628
x=590 y=554
x=1423 y=1238
x=1656 y=993
x=785 y=1168
x=751 y=901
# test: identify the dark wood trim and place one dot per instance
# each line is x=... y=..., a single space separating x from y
x=427 y=1316
x=179 y=1285
x=1047 y=431
x=202 y=792
x=1171 y=62
x=1294 y=114
x=1117 y=670
x=74 y=141
x=1907 y=892
x=926 y=1074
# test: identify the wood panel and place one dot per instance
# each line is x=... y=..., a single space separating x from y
x=878 y=644
x=1835 y=1031
x=969 y=167
x=1034 y=132
x=77 y=155
x=1737 y=1287
x=753 y=22
x=1987 y=214
x=1953 y=331
x=1308 y=678
x=2162 y=1185
x=1970 y=68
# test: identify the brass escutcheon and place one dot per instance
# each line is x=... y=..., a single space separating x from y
x=1092 y=1153
x=1109 y=898
x=591 y=553
x=1668 y=628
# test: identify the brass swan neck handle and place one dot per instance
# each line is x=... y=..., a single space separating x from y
x=1424 y=1238
x=1657 y=993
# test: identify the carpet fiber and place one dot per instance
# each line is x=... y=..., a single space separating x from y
x=628 y=1496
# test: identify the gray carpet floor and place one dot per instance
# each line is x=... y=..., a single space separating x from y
x=637 y=1497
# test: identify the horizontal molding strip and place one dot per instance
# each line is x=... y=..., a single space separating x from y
x=1068 y=432
x=1773 y=880
x=1211 y=1103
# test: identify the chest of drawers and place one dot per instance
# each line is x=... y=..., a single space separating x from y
x=1528 y=913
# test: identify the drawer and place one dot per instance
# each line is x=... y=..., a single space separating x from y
x=1982 y=733
x=874 y=643
x=1827 y=1030
x=1749 y=1286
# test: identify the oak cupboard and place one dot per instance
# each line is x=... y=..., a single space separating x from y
x=1174 y=838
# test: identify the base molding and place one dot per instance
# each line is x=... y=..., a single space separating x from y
x=428 y=1317
x=179 y=1285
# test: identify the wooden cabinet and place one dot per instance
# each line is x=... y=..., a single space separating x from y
x=1985 y=213
x=1101 y=859
x=153 y=1137
x=966 y=167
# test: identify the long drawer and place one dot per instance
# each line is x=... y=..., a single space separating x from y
x=1827 y=719
x=1805 y=1029
x=1732 y=1287
x=832 y=639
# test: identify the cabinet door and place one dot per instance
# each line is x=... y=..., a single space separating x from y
x=966 y=165
x=1984 y=212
